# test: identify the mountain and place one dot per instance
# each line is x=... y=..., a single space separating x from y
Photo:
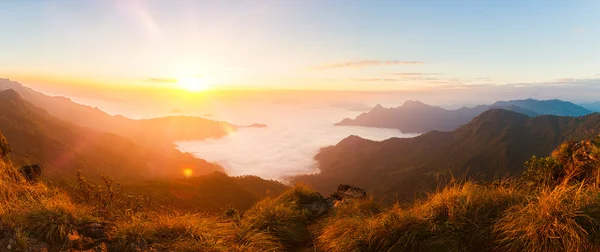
x=164 y=130
x=63 y=148
x=595 y=106
x=417 y=117
x=493 y=144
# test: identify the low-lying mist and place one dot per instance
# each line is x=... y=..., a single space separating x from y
x=286 y=147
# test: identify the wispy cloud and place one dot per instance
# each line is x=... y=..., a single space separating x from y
x=374 y=79
x=413 y=74
x=365 y=63
x=162 y=80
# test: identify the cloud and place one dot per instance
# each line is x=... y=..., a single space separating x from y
x=162 y=80
x=374 y=79
x=413 y=74
x=365 y=63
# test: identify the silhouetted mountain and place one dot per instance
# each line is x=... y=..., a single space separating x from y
x=167 y=129
x=63 y=148
x=595 y=106
x=417 y=117
x=495 y=143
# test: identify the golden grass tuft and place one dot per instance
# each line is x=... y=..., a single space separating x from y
x=282 y=217
x=556 y=220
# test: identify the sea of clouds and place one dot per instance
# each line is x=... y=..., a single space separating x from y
x=287 y=146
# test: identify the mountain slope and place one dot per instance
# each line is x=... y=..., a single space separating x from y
x=63 y=148
x=417 y=117
x=211 y=192
x=495 y=143
x=164 y=130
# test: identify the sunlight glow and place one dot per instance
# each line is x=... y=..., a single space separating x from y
x=196 y=83
x=188 y=173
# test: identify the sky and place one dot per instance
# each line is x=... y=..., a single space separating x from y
x=303 y=44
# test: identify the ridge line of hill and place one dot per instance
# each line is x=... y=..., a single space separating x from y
x=418 y=117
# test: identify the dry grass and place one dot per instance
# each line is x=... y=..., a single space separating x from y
x=282 y=217
x=555 y=220
x=457 y=218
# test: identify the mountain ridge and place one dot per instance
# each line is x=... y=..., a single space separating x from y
x=162 y=130
x=494 y=144
x=418 y=117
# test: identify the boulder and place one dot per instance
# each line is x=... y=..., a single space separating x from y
x=95 y=230
x=31 y=173
x=315 y=204
x=348 y=192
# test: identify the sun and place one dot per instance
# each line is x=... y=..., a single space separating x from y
x=188 y=173
x=195 y=83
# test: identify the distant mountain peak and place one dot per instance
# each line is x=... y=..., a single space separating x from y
x=414 y=103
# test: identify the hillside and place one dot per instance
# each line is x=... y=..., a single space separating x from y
x=209 y=193
x=63 y=148
x=160 y=130
x=553 y=206
x=417 y=117
x=494 y=144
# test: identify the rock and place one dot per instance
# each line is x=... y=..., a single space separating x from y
x=315 y=204
x=38 y=247
x=346 y=192
x=31 y=173
x=317 y=208
x=95 y=230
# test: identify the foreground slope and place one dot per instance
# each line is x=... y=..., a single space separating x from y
x=417 y=117
x=553 y=206
x=63 y=148
x=495 y=143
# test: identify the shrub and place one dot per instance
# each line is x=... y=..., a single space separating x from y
x=571 y=162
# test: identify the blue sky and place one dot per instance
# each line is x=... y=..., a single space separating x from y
x=367 y=45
